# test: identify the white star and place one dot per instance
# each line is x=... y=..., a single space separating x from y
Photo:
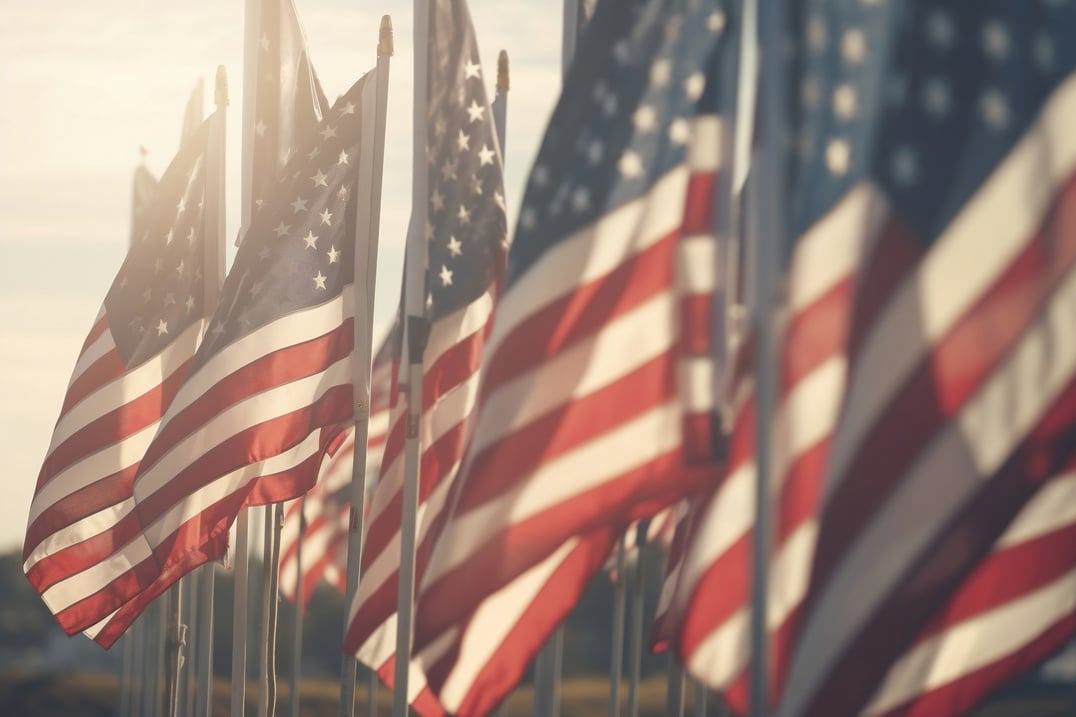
x=995 y=40
x=472 y=70
x=169 y=236
x=437 y=200
x=595 y=151
x=334 y=255
x=904 y=166
x=319 y=280
x=527 y=218
x=540 y=176
x=256 y=288
x=347 y=109
x=679 y=131
x=936 y=97
x=994 y=109
x=446 y=276
x=645 y=118
x=181 y=206
x=475 y=111
x=630 y=165
x=845 y=102
x=485 y=155
x=342 y=193
x=581 y=199
x=259 y=128
x=299 y=205
x=157 y=265
x=328 y=132
x=838 y=156
x=854 y=46
x=190 y=236
x=264 y=253
x=660 y=73
x=716 y=21
x=311 y=240
x=499 y=198
x=816 y=33
x=281 y=229
x=694 y=85
x=343 y=158
x=319 y=179
x=180 y=267
x=439 y=127
x=313 y=153
x=429 y=230
x=189 y=303
x=464 y=215
x=622 y=52
x=454 y=246
x=463 y=141
x=326 y=217
x=162 y=327
x=448 y=170
x=940 y=30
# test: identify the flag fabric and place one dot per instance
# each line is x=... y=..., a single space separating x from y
x=288 y=102
x=326 y=508
x=466 y=233
x=590 y=379
x=272 y=381
x=143 y=187
x=961 y=394
x=135 y=357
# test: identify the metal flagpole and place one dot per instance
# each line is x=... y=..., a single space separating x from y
x=771 y=234
x=500 y=102
x=189 y=615
x=297 y=624
x=700 y=699
x=416 y=328
x=570 y=35
x=270 y=603
x=674 y=690
x=175 y=641
x=239 y=615
x=366 y=236
x=619 y=598
x=635 y=621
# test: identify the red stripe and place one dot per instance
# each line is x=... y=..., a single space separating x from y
x=104 y=370
x=425 y=703
x=946 y=378
x=699 y=206
x=696 y=312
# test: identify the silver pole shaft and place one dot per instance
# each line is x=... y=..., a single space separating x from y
x=239 y=614
x=297 y=624
x=635 y=623
x=173 y=647
x=570 y=35
x=270 y=602
x=125 y=673
x=674 y=689
x=189 y=615
x=371 y=693
x=367 y=235
x=701 y=696
x=771 y=238
x=263 y=627
x=203 y=698
x=619 y=599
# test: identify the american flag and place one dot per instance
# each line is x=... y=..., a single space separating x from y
x=326 y=508
x=916 y=127
x=961 y=399
x=580 y=424
x=466 y=233
x=288 y=103
x=272 y=380
x=135 y=357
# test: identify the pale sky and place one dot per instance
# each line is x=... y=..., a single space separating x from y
x=83 y=85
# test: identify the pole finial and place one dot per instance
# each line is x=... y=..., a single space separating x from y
x=385 y=46
x=220 y=94
x=502 y=72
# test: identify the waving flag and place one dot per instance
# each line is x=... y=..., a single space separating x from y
x=272 y=381
x=961 y=398
x=135 y=357
x=466 y=231
x=588 y=375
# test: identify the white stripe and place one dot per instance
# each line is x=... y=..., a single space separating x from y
x=83 y=529
x=696 y=264
x=1053 y=507
x=93 y=353
x=629 y=446
x=274 y=402
x=976 y=643
x=704 y=150
x=696 y=378
x=959 y=268
x=593 y=253
x=450 y=330
x=127 y=386
x=968 y=451
x=624 y=344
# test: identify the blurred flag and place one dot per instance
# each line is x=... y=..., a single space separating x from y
x=271 y=383
x=591 y=369
x=143 y=187
x=952 y=121
x=326 y=508
x=135 y=357
x=466 y=231
x=285 y=104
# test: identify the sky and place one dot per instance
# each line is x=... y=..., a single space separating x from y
x=84 y=85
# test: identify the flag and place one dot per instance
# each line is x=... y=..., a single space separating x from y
x=287 y=102
x=589 y=381
x=466 y=232
x=272 y=380
x=961 y=395
x=135 y=357
x=143 y=187
x=321 y=519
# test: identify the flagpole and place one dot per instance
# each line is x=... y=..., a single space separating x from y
x=700 y=699
x=270 y=602
x=367 y=235
x=570 y=35
x=297 y=624
x=499 y=107
x=619 y=599
x=189 y=618
x=416 y=332
x=771 y=232
x=674 y=689
x=635 y=620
